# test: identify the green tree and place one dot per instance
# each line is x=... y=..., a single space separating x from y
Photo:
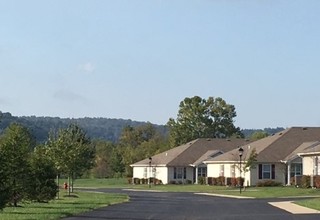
x=16 y=147
x=102 y=168
x=117 y=164
x=201 y=118
x=4 y=180
x=43 y=186
x=71 y=151
x=137 y=143
x=258 y=135
x=250 y=162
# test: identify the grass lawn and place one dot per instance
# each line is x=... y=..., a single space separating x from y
x=62 y=207
x=310 y=203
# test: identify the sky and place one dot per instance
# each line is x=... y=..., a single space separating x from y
x=138 y=59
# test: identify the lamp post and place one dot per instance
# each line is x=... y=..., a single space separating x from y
x=240 y=169
x=150 y=171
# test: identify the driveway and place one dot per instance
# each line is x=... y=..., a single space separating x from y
x=163 y=205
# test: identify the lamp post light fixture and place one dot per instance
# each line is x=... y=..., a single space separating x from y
x=240 y=169
x=150 y=172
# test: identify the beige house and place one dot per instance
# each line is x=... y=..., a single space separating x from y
x=310 y=154
x=277 y=157
x=184 y=163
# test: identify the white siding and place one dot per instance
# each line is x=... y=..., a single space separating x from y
x=213 y=170
x=309 y=166
x=162 y=174
x=251 y=176
x=138 y=172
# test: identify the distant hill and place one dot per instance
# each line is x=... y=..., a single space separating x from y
x=96 y=128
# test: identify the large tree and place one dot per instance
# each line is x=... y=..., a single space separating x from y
x=203 y=118
x=15 y=149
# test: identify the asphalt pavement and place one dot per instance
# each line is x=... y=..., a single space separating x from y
x=184 y=206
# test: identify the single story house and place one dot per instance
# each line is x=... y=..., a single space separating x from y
x=184 y=163
x=279 y=157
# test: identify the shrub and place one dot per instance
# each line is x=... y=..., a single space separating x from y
x=234 y=181
x=201 y=180
x=210 y=180
x=316 y=180
x=172 y=182
x=220 y=181
x=136 y=181
x=268 y=183
x=305 y=181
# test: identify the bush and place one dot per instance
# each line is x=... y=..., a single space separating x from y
x=305 y=181
x=268 y=183
x=172 y=182
x=220 y=181
x=316 y=180
x=201 y=180
x=210 y=180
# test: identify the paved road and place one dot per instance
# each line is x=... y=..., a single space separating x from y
x=178 y=206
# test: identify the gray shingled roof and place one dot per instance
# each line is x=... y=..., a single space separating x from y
x=302 y=148
x=310 y=148
x=190 y=153
x=274 y=148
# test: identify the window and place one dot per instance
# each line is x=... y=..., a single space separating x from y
x=295 y=170
x=202 y=171
x=266 y=171
x=178 y=171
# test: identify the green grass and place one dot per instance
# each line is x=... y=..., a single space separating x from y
x=99 y=183
x=310 y=203
x=62 y=207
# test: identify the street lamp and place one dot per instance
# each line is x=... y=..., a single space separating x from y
x=240 y=156
x=150 y=172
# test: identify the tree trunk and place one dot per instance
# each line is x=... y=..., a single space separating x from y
x=58 y=185
x=69 y=192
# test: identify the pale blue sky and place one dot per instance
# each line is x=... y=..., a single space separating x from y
x=137 y=59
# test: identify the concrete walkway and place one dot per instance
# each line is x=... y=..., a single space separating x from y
x=226 y=196
x=289 y=206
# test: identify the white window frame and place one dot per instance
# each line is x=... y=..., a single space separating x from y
x=266 y=174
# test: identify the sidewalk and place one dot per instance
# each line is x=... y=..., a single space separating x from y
x=289 y=206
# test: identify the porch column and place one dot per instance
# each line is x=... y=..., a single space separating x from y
x=196 y=177
x=288 y=173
